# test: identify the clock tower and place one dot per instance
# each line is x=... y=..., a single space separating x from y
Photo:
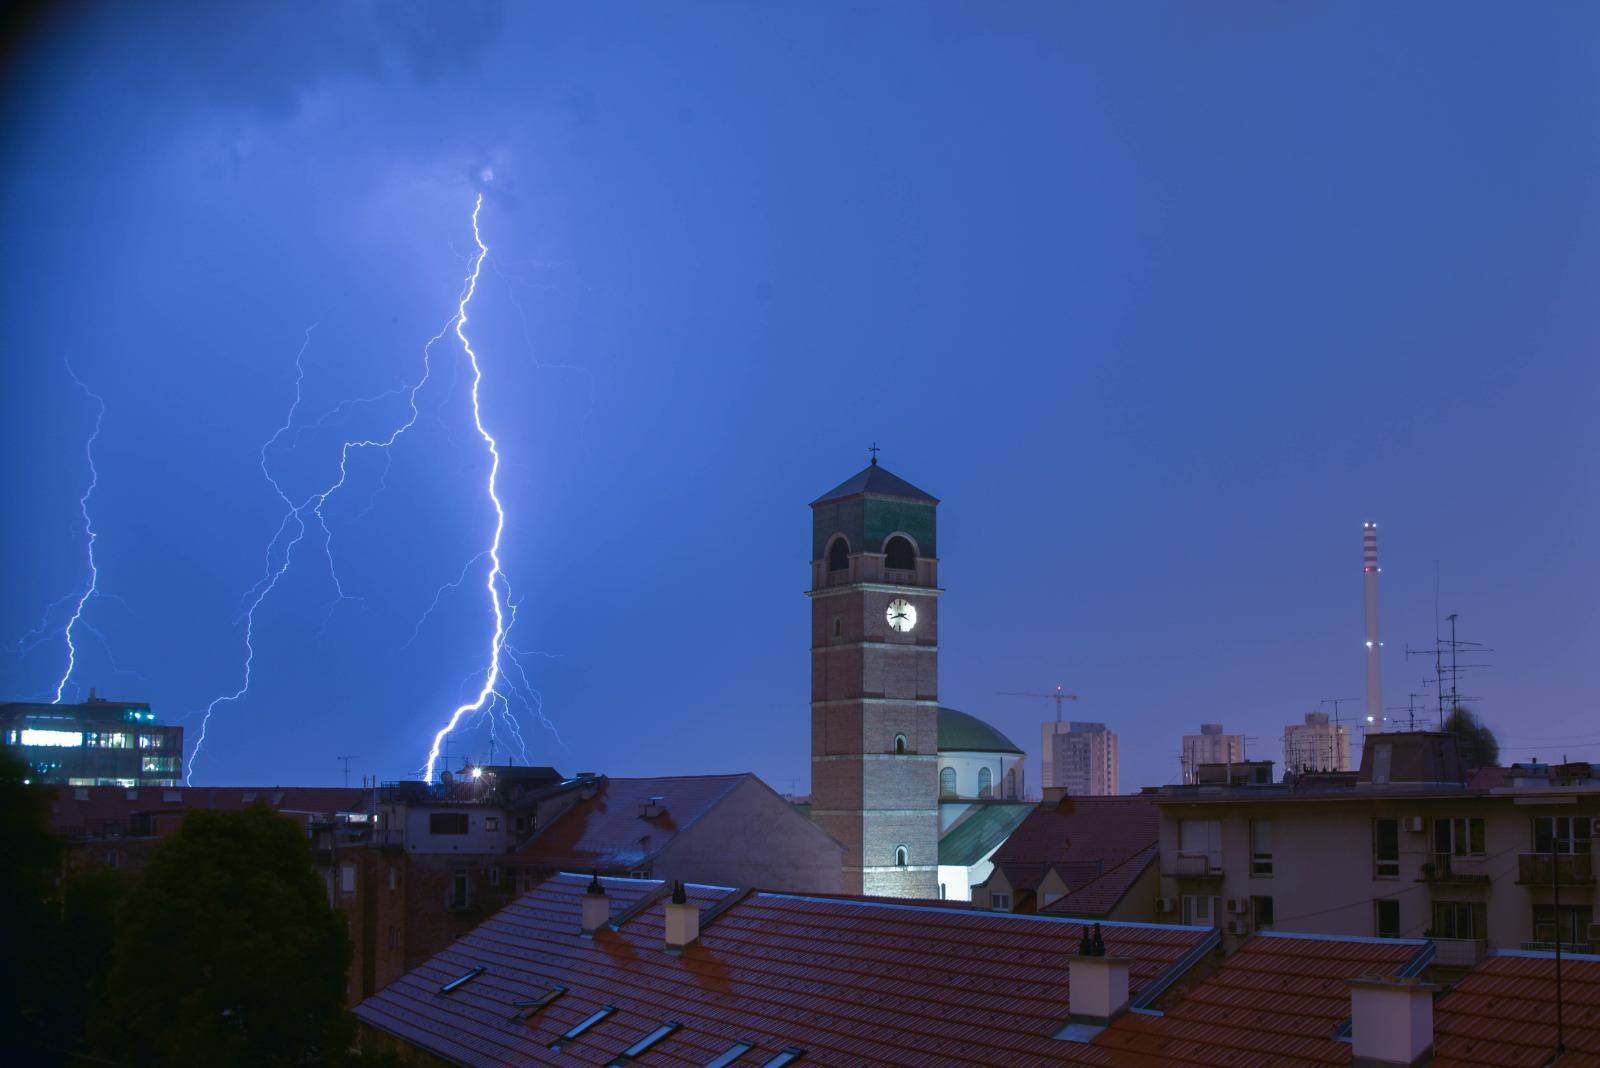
x=875 y=681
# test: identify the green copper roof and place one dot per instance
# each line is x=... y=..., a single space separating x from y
x=961 y=733
x=981 y=830
x=877 y=481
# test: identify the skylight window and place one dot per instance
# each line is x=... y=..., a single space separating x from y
x=461 y=980
x=528 y=1006
x=787 y=1055
x=583 y=1025
x=731 y=1054
x=645 y=1043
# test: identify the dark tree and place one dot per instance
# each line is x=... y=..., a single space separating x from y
x=228 y=951
x=1474 y=741
x=30 y=859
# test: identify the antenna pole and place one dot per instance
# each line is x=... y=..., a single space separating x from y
x=347 y=760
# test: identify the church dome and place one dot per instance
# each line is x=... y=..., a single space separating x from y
x=961 y=733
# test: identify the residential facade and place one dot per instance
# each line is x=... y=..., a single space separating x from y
x=1210 y=746
x=1412 y=846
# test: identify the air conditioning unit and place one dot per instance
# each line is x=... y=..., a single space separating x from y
x=1166 y=904
x=1237 y=904
x=1414 y=824
x=1236 y=927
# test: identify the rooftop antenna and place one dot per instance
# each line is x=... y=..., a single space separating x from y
x=1336 y=702
x=347 y=760
x=1057 y=697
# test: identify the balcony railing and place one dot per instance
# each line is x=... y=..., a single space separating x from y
x=1566 y=947
x=1570 y=869
x=1193 y=865
x=1448 y=868
x=1460 y=952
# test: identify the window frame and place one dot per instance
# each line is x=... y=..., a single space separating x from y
x=954 y=790
x=1460 y=836
x=1379 y=906
x=1000 y=901
x=1574 y=842
x=1385 y=867
x=1261 y=859
x=439 y=822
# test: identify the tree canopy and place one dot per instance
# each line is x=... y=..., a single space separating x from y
x=228 y=951
x=1475 y=742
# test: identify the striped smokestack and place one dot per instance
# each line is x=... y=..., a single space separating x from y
x=1369 y=577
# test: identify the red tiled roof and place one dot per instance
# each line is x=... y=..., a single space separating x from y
x=1504 y=1014
x=1277 y=1001
x=607 y=833
x=850 y=981
x=1100 y=895
x=118 y=805
x=1094 y=843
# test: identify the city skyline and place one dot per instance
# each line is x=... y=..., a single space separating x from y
x=1156 y=395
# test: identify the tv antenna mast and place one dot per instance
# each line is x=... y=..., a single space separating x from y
x=1057 y=697
x=1448 y=668
x=346 y=760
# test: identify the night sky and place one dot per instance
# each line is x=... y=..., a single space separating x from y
x=1161 y=300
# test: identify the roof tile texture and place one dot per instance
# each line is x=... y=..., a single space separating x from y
x=851 y=981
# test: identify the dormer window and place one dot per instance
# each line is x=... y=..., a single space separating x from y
x=899 y=554
x=839 y=555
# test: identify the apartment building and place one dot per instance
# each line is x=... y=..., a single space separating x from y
x=1316 y=745
x=1080 y=758
x=1410 y=846
x=1210 y=746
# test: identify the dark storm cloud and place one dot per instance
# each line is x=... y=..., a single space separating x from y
x=259 y=57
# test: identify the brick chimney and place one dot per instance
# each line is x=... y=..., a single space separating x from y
x=1391 y=1022
x=596 y=907
x=683 y=920
x=1097 y=984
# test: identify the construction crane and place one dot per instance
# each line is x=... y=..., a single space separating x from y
x=1057 y=697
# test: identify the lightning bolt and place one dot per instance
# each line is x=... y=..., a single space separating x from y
x=90 y=536
x=494 y=582
x=492 y=704
x=294 y=526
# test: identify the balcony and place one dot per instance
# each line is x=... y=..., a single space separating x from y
x=1566 y=947
x=1193 y=865
x=1570 y=869
x=1448 y=868
x=1460 y=952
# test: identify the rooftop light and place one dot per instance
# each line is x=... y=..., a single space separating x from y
x=529 y=1006
x=645 y=1043
x=583 y=1025
x=461 y=980
x=731 y=1054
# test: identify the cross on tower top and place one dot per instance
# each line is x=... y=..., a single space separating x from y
x=873 y=449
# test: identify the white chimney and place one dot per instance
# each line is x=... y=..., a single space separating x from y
x=683 y=920
x=1391 y=1022
x=1097 y=985
x=596 y=907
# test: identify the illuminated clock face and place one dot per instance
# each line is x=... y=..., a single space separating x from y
x=902 y=614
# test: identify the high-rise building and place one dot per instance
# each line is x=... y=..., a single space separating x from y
x=1316 y=745
x=1081 y=759
x=1210 y=746
x=875 y=681
x=95 y=743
